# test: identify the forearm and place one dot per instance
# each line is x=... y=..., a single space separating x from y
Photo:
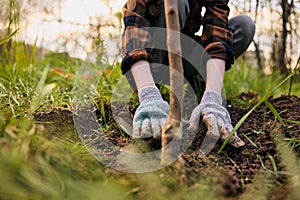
x=142 y=74
x=214 y=78
x=215 y=70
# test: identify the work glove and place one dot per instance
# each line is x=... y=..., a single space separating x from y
x=151 y=114
x=217 y=120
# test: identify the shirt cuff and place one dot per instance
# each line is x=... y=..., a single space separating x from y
x=133 y=56
x=222 y=51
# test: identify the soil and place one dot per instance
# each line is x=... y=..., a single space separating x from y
x=234 y=170
x=240 y=167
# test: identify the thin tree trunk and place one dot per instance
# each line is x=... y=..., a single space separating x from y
x=256 y=44
x=286 y=13
x=258 y=55
x=282 y=48
x=256 y=11
x=172 y=125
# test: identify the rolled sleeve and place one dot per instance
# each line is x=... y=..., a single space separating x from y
x=216 y=37
x=133 y=56
x=137 y=17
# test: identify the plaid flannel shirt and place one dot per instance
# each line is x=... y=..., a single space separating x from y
x=216 y=37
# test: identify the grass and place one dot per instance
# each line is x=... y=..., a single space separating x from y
x=41 y=160
x=247 y=78
x=34 y=166
x=262 y=100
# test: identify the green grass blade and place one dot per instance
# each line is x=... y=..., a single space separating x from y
x=274 y=111
x=241 y=121
x=253 y=143
x=32 y=52
x=297 y=64
x=292 y=78
x=234 y=163
x=293 y=122
x=261 y=162
x=42 y=89
x=273 y=162
x=6 y=38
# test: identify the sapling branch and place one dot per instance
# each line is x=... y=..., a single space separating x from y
x=172 y=125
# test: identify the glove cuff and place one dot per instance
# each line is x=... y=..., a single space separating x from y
x=211 y=96
x=149 y=94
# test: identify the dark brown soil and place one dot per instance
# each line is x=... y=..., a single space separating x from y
x=239 y=167
x=234 y=170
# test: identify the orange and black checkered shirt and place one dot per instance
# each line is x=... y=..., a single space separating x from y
x=216 y=37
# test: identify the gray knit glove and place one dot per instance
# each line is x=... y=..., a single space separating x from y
x=151 y=114
x=217 y=120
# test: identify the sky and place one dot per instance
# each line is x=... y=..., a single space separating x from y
x=76 y=13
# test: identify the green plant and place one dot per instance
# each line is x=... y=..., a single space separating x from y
x=264 y=99
x=247 y=78
x=294 y=70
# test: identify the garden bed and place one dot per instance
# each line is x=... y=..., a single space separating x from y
x=261 y=165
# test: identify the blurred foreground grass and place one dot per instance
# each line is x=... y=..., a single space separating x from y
x=39 y=163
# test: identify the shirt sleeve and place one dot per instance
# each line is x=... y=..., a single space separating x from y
x=137 y=16
x=216 y=37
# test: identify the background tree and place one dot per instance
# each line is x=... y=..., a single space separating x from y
x=287 y=30
x=276 y=37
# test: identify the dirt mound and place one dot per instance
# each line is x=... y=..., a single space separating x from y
x=234 y=170
x=239 y=167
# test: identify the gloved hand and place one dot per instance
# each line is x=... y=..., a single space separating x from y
x=151 y=114
x=217 y=120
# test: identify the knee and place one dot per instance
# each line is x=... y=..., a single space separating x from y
x=249 y=25
x=243 y=22
x=243 y=29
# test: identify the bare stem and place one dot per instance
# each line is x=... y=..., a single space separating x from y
x=172 y=126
